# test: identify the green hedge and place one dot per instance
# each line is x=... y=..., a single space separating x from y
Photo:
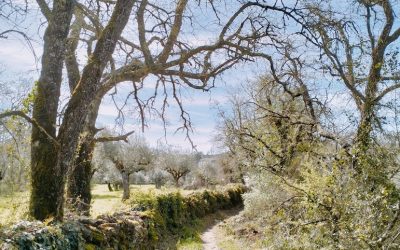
x=152 y=223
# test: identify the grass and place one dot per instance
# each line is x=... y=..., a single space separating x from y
x=15 y=207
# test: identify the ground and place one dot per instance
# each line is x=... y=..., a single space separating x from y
x=13 y=207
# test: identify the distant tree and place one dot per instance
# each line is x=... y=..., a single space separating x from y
x=159 y=177
x=231 y=168
x=14 y=156
x=105 y=170
x=176 y=163
x=207 y=173
x=128 y=158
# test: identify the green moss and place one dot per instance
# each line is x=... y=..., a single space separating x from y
x=90 y=247
x=97 y=235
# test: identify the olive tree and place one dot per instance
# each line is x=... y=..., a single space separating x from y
x=358 y=48
x=176 y=163
x=128 y=158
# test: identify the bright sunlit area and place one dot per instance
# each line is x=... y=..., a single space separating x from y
x=230 y=124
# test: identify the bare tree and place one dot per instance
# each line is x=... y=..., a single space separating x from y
x=359 y=52
x=176 y=163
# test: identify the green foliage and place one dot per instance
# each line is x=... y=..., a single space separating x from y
x=328 y=206
x=308 y=192
x=27 y=102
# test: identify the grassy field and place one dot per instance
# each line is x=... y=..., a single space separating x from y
x=15 y=207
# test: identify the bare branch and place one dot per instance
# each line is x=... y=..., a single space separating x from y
x=114 y=138
x=173 y=35
x=142 y=33
x=30 y=120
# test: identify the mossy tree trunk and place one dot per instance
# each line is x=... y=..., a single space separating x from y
x=49 y=171
x=44 y=152
x=78 y=187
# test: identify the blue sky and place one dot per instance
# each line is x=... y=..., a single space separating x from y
x=19 y=63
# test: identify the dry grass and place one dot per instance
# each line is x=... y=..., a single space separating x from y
x=13 y=207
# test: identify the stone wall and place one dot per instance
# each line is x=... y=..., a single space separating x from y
x=152 y=223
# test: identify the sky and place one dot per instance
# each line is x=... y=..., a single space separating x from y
x=20 y=61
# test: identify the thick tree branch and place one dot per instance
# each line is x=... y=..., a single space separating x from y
x=114 y=138
x=173 y=35
x=44 y=8
x=142 y=33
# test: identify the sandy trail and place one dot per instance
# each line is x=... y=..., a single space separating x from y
x=209 y=239
x=214 y=233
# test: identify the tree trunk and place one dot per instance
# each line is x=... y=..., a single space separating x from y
x=74 y=120
x=109 y=187
x=116 y=186
x=176 y=179
x=43 y=201
x=125 y=185
x=78 y=188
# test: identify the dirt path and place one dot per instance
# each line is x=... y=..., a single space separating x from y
x=215 y=234
x=209 y=238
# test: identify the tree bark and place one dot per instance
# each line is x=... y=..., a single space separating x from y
x=176 y=179
x=109 y=187
x=43 y=151
x=78 y=187
x=125 y=185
